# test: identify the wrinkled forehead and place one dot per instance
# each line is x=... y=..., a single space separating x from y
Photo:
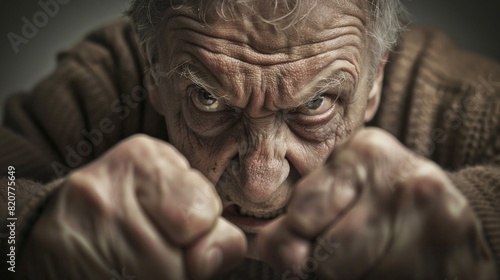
x=284 y=23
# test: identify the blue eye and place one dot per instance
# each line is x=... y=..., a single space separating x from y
x=205 y=97
x=205 y=101
x=317 y=106
x=315 y=103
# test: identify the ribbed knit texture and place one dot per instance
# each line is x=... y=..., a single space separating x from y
x=441 y=102
x=481 y=185
x=444 y=104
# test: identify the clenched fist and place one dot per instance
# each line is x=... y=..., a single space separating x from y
x=376 y=211
x=141 y=210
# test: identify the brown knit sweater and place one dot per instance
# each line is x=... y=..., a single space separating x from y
x=440 y=101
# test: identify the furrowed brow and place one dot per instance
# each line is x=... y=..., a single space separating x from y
x=341 y=82
x=190 y=72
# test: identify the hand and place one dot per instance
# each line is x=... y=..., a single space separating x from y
x=140 y=210
x=376 y=211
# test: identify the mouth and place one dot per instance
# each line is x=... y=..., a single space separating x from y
x=248 y=221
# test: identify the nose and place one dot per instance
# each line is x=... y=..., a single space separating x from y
x=262 y=167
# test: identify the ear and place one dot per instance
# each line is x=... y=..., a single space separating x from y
x=376 y=91
x=154 y=95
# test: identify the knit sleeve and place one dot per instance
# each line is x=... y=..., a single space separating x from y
x=93 y=99
x=481 y=185
x=29 y=200
x=443 y=103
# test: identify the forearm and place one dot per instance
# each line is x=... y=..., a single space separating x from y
x=28 y=199
x=481 y=186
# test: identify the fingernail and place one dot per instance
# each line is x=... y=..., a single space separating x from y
x=213 y=260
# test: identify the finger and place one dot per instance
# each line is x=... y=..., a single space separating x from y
x=184 y=207
x=356 y=242
x=179 y=200
x=142 y=147
x=279 y=247
x=97 y=241
x=322 y=197
x=433 y=228
x=219 y=251
x=370 y=162
x=147 y=253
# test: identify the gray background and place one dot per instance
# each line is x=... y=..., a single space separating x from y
x=474 y=24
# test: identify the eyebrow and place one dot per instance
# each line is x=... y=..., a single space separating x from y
x=340 y=81
x=190 y=72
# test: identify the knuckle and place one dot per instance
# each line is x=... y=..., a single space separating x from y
x=371 y=136
x=426 y=187
x=139 y=139
x=445 y=209
x=88 y=191
x=135 y=147
x=467 y=223
x=187 y=226
x=318 y=200
x=369 y=143
x=370 y=132
x=141 y=147
x=197 y=206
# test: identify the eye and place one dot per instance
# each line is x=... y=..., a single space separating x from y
x=316 y=106
x=205 y=101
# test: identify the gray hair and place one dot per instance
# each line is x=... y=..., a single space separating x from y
x=386 y=23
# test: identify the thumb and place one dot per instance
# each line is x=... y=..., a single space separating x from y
x=217 y=252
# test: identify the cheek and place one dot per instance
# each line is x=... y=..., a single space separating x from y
x=209 y=155
x=306 y=154
x=312 y=145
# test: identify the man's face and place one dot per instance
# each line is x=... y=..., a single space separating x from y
x=255 y=107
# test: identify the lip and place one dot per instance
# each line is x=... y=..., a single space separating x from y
x=247 y=224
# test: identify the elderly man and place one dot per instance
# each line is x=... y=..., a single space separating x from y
x=235 y=146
